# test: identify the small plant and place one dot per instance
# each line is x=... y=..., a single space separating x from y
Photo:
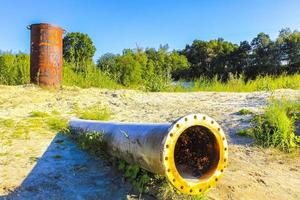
x=276 y=127
x=8 y=123
x=57 y=124
x=92 y=141
x=245 y=111
x=39 y=114
x=33 y=159
x=94 y=112
x=245 y=133
x=138 y=177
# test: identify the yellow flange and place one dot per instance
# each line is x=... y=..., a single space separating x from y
x=198 y=185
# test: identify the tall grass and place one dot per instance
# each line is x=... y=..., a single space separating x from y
x=235 y=84
x=14 y=68
x=93 y=112
x=276 y=127
x=92 y=77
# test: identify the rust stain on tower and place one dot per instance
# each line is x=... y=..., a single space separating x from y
x=46 y=54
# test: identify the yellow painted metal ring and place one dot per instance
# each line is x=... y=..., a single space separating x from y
x=195 y=185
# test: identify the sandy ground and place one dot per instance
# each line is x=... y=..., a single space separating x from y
x=30 y=168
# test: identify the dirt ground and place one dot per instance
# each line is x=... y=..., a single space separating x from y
x=50 y=166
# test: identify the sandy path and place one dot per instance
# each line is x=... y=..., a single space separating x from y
x=253 y=173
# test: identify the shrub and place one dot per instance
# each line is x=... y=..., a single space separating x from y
x=245 y=111
x=93 y=112
x=39 y=114
x=92 y=77
x=276 y=127
x=57 y=124
x=14 y=68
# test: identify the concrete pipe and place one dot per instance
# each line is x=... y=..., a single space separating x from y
x=191 y=152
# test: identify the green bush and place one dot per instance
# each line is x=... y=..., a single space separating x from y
x=92 y=77
x=14 y=69
x=245 y=111
x=276 y=127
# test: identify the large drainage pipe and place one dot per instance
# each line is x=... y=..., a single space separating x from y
x=191 y=152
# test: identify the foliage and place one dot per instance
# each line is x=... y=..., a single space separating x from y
x=93 y=112
x=210 y=58
x=78 y=49
x=150 y=68
x=92 y=77
x=140 y=179
x=259 y=58
x=238 y=84
x=57 y=124
x=215 y=65
x=92 y=141
x=14 y=68
x=276 y=127
x=39 y=114
x=245 y=132
x=245 y=111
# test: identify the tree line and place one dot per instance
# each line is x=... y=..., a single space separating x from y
x=260 y=57
x=154 y=69
x=215 y=58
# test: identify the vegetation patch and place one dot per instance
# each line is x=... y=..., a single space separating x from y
x=39 y=114
x=245 y=111
x=276 y=127
x=57 y=124
x=245 y=133
x=93 y=112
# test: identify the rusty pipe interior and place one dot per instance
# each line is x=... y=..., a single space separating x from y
x=192 y=152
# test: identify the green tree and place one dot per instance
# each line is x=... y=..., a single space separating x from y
x=239 y=59
x=289 y=44
x=78 y=49
x=130 y=69
x=107 y=64
x=210 y=58
x=265 y=58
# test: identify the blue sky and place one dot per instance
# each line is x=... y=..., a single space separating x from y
x=117 y=24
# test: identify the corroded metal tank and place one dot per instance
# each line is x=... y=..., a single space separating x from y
x=46 y=54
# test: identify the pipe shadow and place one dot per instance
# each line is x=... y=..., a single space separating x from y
x=66 y=172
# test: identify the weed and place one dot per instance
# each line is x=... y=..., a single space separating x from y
x=238 y=84
x=244 y=111
x=39 y=114
x=57 y=124
x=4 y=154
x=18 y=155
x=245 y=133
x=140 y=179
x=7 y=123
x=94 y=112
x=276 y=127
x=93 y=77
x=33 y=159
x=55 y=112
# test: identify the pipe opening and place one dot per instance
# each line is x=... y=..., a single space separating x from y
x=197 y=153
